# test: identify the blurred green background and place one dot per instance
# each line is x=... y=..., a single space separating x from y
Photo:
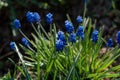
x=105 y=12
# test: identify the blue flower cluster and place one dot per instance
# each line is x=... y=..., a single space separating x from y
x=80 y=32
x=12 y=45
x=25 y=42
x=49 y=18
x=79 y=19
x=33 y=17
x=59 y=45
x=95 y=36
x=62 y=40
x=61 y=36
x=118 y=37
x=72 y=37
x=69 y=26
x=110 y=43
x=17 y=24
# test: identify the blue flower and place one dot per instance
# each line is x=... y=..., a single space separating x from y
x=118 y=38
x=61 y=36
x=36 y=17
x=79 y=19
x=60 y=33
x=80 y=32
x=17 y=24
x=59 y=45
x=33 y=17
x=49 y=18
x=72 y=37
x=25 y=42
x=12 y=45
x=95 y=36
x=109 y=43
x=69 y=26
x=30 y=16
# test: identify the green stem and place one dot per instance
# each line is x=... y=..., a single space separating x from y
x=85 y=9
x=23 y=63
x=54 y=33
x=50 y=29
x=31 y=49
x=44 y=31
x=68 y=17
x=68 y=78
x=38 y=70
x=35 y=29
x=55 y=74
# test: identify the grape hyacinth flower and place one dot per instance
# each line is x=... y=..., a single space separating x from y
x=36 y=17
x=79 y=19
x=80 y=32
x=95 y=36
x=61 y=36
x=49 y=18
x=69 y=26
x=59 y=45
x=118 y=37
x=25 y=42
x=110 y=43
x=72 y=38
x=30 y=16
x=33 y=17
x=17 y=24
x=12 y=45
